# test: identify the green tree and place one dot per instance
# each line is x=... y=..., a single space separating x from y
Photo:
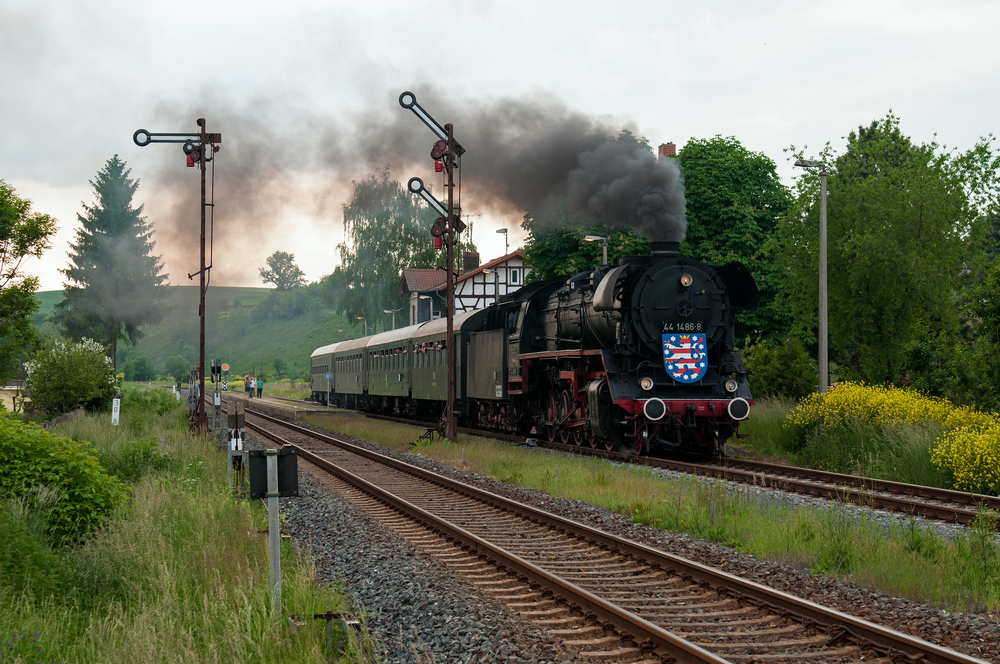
x=282 y=271
x=387 y=231
x=177 y=367
x=23 y=233
x=279 y=366
x=734 y=199
x=114 y=285
x=899 y=219
x=138 y=368
x=63 y=376
x=559 y=250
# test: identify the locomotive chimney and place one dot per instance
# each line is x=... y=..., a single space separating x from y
x=470 y=261
x=665 y=248
x=666 y=150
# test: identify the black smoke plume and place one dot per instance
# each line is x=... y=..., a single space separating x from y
x=622 y=183
x=281 y=164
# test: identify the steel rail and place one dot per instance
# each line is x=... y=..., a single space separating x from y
x=882 y=638
x=821 y=487
x=865 y=492
x=887 y=486
x=648 y=637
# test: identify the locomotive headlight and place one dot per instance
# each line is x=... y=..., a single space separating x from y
x=731 y=385
x=646 y=383
x=686 y=280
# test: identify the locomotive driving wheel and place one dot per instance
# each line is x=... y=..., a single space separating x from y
x=551 y=415
x=639 y=442
x=579 y=432
x=564 y=411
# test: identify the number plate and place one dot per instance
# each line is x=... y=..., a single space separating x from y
x=685 y=326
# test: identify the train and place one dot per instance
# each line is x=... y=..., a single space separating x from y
x=637 y=357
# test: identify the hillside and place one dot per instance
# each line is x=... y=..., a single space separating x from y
x=244 y=327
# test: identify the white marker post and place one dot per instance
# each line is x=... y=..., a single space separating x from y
x=115 y=410
x=273 y=536
x=329 y=377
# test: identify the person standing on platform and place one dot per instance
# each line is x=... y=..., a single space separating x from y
x=260 y=387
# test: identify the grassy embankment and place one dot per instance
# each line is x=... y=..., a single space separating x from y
x=178 y=574
x=960 y=574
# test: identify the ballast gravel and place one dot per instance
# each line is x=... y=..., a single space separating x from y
x=423 y=613
x=419 y=611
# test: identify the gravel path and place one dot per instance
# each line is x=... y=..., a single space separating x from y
x=423 y=614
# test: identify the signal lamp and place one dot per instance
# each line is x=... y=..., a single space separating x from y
x=686 y=280
x=731 y=385
x=646 y=383
x=437 y=242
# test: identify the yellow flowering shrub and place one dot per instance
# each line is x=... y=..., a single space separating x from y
x=969 y=446
x=972 y=454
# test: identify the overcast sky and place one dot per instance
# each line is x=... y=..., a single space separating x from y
x=305 y=96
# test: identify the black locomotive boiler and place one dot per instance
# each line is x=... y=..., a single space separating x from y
x=637 y=356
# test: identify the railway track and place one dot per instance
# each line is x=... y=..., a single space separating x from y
x=927 y=502
x=596 y=590
x=923 y=501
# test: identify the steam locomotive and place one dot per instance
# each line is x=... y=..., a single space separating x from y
x=637 y=356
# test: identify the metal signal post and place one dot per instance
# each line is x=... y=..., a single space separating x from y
x=199 y=149
x=447 y=150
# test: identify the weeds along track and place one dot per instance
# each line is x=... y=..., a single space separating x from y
x=927 y=502
x=923 y=501
x=621 y=600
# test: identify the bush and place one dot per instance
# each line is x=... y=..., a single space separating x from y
x=855 y=423
x=27 y=561
x=33 y=458
x=972 y=455
x=64 y=376
x=785 y=371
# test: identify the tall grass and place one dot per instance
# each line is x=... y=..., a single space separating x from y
x=765 y=431
x=179 y=575
x=291 y=389
x=906 y=560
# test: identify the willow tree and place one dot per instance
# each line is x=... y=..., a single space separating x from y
x=115 y=285
x=387 y=230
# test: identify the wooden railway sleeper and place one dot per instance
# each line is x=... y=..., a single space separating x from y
x=840 y=632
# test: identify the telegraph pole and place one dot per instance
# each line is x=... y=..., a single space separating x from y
x=199 y=149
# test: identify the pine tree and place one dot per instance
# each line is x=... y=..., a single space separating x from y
x=114 y=285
